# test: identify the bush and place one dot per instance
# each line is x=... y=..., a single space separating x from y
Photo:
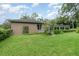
x=57 y=31
x=5 y=33
x=77 y=30
x=70 y=30
x=48 y=31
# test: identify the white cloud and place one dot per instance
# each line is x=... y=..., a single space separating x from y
x=53 y=10
x=40 y=15
x=49 y=5
x=19 y=8
x=35 y=4
x=52 y=14
x=55 y=5
x=48 y=11
x=52 y=4
x=2 y=13
x=5 y=6
x=58 y=7
x=13 y=9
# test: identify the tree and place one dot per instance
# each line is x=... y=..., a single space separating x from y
x=6 y=25
x=62 y=20
x=34 y=15
x=40 y=19
x=72 y=9
x=25 y=17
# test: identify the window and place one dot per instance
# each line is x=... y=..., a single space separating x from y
x=61 y=28
x=39 y=26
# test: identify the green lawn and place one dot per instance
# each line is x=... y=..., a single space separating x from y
x=42 y=45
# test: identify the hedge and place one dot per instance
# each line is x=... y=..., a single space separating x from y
x=77 y=30
x=5 y=33
x=70 y=30
x=57 y=31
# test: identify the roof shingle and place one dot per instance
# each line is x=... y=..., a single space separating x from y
x=25 y=21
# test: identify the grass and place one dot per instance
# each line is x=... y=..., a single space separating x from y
x=66 y=44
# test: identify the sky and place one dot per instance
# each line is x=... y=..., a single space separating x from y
x=16 y=10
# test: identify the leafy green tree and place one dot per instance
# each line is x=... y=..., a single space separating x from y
x=25 y=17
x=62 y=19
x=72 y=9
x=40 y=19
x=34 y=15
x=6 y=25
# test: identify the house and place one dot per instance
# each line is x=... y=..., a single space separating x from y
x=26 y=26
x=61 y=26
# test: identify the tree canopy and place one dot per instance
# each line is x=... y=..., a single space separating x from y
x=71 y=9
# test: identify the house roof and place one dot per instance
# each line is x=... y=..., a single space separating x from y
x=33 y=21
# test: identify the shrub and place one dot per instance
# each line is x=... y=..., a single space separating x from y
x=57 y=31
x=48 y=31
x=69 y=30
x=5 y=33
x=77 y=30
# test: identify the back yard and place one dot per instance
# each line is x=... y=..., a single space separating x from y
x=41 y=45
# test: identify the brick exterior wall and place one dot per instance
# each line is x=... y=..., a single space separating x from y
x=18 y=28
